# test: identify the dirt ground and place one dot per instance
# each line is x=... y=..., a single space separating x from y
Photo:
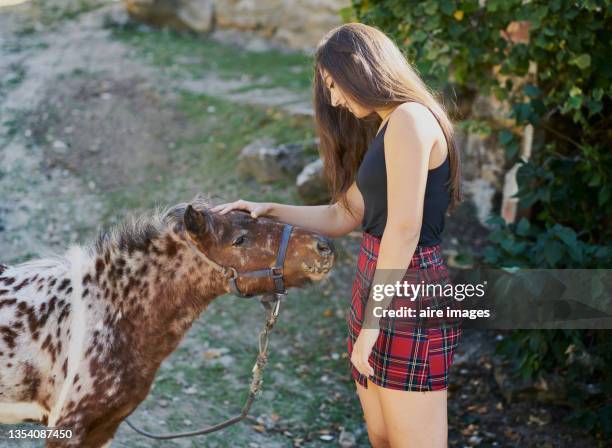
x=101 y=118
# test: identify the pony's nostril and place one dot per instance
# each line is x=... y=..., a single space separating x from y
x=325 y=246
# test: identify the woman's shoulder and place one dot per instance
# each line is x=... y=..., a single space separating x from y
x=422 y=123
x=410 y=121
x=416 y=113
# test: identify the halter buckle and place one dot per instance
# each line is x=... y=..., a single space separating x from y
x=233 y=271
x=276 y=272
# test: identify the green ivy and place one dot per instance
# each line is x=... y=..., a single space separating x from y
x=564 y=189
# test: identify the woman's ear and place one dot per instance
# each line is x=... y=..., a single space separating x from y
x=197 y=223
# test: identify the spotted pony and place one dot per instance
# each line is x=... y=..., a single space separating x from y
x=82 y=335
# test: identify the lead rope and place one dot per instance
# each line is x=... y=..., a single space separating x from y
x=272 y=305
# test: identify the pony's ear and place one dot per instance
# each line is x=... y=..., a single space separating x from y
x=196 y=222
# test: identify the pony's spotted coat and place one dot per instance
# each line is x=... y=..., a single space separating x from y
x=81 y=336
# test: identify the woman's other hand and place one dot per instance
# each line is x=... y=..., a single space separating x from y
x=254 y=208
x=362 y=349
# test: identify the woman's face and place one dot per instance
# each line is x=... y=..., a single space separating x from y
x=339 y=99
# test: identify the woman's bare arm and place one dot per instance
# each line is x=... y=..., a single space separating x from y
x=331 y=220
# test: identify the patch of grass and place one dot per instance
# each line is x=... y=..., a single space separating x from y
x=14 y=122
x=205 y=161
x=52 y=12
x=198 y=55
x=16 y=77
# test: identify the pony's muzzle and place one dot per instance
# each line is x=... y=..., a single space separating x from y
x=325 y=246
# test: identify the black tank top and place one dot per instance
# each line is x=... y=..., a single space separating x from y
x=372 y=183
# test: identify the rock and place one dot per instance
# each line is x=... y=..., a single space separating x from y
x=474 y=440
x=214 y=353
x=311 y=185
x=490 y=108
x=482 y=166
x=347 y=439
x=247 y=40
x=483 y=159
x=542 y=418
x=268 y=163
x=116 y=18
x=267 y=421
x=194 y=15
x=60 y=147
x=481 y=194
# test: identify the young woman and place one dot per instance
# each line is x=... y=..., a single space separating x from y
x=392 y=167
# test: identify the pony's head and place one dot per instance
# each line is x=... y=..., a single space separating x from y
x=236 y=240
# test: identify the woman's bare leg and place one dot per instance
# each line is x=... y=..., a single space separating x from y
x=372 y=413
x=414 y=419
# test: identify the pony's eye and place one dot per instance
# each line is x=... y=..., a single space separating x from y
x=331 y=85
x=239 y=240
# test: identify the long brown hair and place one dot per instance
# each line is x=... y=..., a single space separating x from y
x=371 y=70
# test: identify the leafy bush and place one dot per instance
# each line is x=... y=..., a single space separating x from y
x=558 y=79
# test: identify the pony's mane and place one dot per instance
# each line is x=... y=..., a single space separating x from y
x=137 y=231
x=49 y=262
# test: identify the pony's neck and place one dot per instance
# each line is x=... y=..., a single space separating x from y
x=158 y=292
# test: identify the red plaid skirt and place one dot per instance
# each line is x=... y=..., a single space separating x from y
x=404 y=357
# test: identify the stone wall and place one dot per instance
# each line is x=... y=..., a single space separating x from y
x=482 y=158
x=297 y=24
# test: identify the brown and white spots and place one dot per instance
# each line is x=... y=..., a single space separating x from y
x=99 y=268
x=7 y=302
x=31 y=382
x=63 y=285
x=7 y=281
x=8 y=336
x=18 y=287
x=172 y=247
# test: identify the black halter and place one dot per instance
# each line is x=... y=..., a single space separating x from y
x=275 y=272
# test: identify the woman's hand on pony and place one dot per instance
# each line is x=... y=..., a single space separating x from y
x=254 y=208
